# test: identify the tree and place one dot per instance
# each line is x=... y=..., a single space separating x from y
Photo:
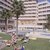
x=5 y=14
x=47 y=25
x=18 y=9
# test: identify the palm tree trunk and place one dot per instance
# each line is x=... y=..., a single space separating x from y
x=6 y=25
x=17 y=26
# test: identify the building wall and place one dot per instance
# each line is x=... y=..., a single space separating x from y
x=35 y=14
x=29 y=19
x=43 y=11
x=7 y=4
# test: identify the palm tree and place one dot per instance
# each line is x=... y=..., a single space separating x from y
x=18 y=9
x=5 y=14
x=47 y=25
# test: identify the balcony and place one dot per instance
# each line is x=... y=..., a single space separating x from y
x=32 y=5
x=42 y=21
x=9 y=1
x=42 y=17
x=48 y=9
x=30 y=12
x=31 y=26
x=5 y=7
x=26 y=25
x=39 y=10
x=4 y=23
x=44 y=13
x=27 y=18
x=6 y=3
x=42 y=6
x=29 y=2
x=26 y=15
x=31 y=8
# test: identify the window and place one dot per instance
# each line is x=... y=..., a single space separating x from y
x=44 y=15
x=48 y=10
x=48 y=7
x=42 y=19
x=39 y=23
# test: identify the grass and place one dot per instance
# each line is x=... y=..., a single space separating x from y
x=5 y=36
x=39 y=44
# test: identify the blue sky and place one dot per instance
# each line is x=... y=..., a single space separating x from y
x=49 y=0
x=40 y=0
x=43 y=0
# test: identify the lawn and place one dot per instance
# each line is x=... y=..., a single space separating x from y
x=39 y=44
x=5 y=36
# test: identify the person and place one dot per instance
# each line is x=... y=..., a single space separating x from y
x=15 y=48
x=22 y=48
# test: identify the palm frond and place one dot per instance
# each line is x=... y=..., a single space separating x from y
x=6 y=13
x=18 y=8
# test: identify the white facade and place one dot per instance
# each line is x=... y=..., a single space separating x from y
x=43 y=11
x=28 y=21
x=35 y=14
x=7 y=5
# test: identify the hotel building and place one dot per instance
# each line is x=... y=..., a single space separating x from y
x=28 y=21
x=43 y=11
x=7 y=5
x=35 y=16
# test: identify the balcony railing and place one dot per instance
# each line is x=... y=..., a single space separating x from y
x=5 y=7
x=6 y=3
x=42 y=21
x=29 y=15
x=30 y=2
